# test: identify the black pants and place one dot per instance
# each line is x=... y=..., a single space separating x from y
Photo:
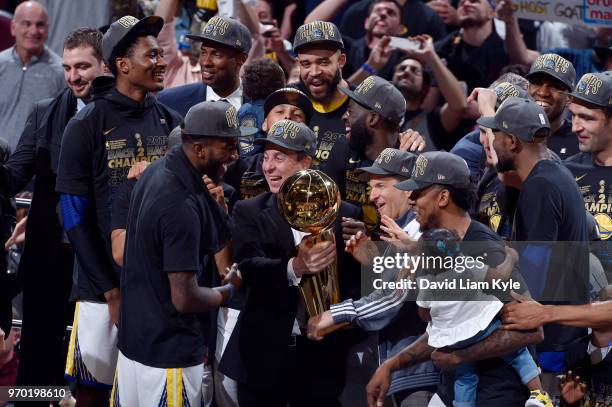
x=248 y=397
x=46 y=311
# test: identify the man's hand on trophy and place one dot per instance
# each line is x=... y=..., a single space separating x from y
x=350 y=227
x=319 y=325
x=313 y=258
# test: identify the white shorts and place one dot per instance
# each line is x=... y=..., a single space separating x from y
x=92 y=353
x=140 y=385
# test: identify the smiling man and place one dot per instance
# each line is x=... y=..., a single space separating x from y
x=118 y=128
x=29 y=71
x=225 y=46
x=550 y=78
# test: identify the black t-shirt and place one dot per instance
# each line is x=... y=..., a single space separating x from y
x=496 y=203
x=416 y=17
x=598 y=377
x=357 y=53
x=595 y=183
x=550 y=209
x=100 y=144
x=358 y=190
x=173 y=223
x=332 y=145
x=476 y=66
x=563 y=142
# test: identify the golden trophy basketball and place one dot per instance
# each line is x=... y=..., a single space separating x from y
x=309 y=201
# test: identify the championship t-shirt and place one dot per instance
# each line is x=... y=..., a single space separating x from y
x=101 y=143
x=595 y=183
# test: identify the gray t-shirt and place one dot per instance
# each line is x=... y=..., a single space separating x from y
x=22 y=86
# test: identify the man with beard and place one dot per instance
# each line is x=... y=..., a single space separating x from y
x=372 y=120
x=592 y=167
x=273 y=361
x=101 y=143
x=412 y=78
x=370 y=54
x=549 y=209
x=46 y=265
x=320 y=56
x=475 y=54
x=441 y=197
x=174 y=223
x=225 y=46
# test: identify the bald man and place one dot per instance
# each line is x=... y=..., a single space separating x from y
x=29 y=71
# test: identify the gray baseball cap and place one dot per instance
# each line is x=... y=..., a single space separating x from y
x=289 y=96
x=380 y=96
x=319 y=33
x=595 y=88
x=225 y=31
x=292 y=135
x=506 y=89
x=522 y=118
x=437 y=167
x=391 y=162
x=118 y=30
x=555 y=66
x=214 y=119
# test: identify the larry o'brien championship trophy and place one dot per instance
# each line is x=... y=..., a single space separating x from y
x=309 y=201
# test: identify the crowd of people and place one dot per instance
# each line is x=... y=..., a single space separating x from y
x=146 y=145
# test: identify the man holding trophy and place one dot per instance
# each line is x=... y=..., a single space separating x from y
x=269 y=354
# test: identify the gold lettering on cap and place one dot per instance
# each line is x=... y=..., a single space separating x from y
x=386 y=156
x=419 y=166
x=505 y=90
x=127 y=21
x=285 y=129
x=365 y=86
x=232 y=117
x=216 y=27
x=589 y=84
x=552 y=62
x=317 y=30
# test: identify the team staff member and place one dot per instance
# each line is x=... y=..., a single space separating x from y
x=174 y=223
x=591 y=109
x=269 y=354
x=225 y=47
x=123 y=126
x=45 y=250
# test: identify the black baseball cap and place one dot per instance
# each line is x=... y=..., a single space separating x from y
x=120 y=29
x=225 y=31
x=289 y=96
x=555 y=66
x=291 y=135
x=505 y=90
x=317 y=33
x=391 y=162
x=437 y=167
x=214 y=119
x=522 y=118
x=380 y=96
x=595 y=88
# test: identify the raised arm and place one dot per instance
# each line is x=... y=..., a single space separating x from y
x=515 y=45
x=327 y=10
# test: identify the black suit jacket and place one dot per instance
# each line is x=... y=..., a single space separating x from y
x=258 y=351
